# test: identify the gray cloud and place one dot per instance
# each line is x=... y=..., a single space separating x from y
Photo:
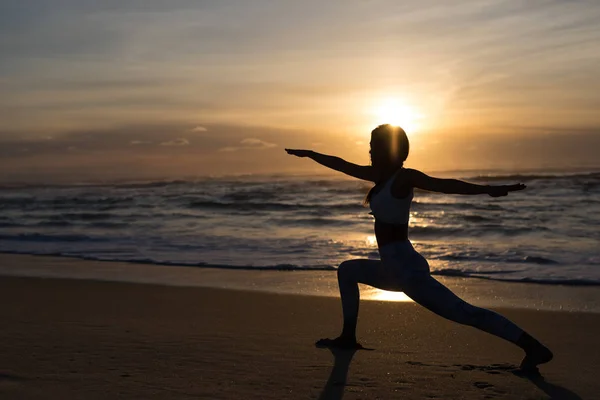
x=110 y=154
x=138 y=139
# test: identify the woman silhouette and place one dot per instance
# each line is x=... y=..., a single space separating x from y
x=401 y=268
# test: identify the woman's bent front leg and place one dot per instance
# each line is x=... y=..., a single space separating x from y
x=350 y=273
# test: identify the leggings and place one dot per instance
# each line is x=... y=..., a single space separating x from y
x=401 y=268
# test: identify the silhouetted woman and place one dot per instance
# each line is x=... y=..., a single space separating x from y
x=401 y=268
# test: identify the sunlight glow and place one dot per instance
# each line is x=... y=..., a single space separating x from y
x=397 y=112
x=371 y=240
x=383 y=295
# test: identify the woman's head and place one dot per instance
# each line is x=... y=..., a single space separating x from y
x=389 y=147
x=389 y=150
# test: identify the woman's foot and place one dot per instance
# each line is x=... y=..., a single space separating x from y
x=535 y=357
x=341 y=342
x=535 y=353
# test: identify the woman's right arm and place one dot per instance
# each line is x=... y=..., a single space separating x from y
x=454 y=186
x=364 y=172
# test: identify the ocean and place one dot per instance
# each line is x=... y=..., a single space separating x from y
x=547 y=233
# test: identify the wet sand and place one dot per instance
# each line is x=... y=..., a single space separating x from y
x=482 y=292
x=81 y=339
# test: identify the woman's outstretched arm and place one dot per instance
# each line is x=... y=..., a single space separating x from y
x=364 y=172
x=454 y=186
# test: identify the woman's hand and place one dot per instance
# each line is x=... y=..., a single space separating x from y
x=502 y=190
x=299 y=153
x=364 y=172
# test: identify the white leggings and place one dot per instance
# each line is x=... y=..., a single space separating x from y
x=401 y=268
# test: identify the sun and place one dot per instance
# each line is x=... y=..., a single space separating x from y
x=397 y=112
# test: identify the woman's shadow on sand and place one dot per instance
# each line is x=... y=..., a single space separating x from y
x=554 y=391
x=336 y=383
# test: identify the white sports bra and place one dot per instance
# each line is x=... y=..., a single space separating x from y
x=389 y=209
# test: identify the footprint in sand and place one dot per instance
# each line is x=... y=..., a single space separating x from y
x=492 y=369
x=8 y=379
x=482 y=385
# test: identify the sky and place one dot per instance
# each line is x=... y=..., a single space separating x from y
x=142 y=89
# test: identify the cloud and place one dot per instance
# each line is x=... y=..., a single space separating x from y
x=199 y=129
x=138 y=142
x=257 y=143
x=176 y=142
x=77 y=65
x=249 y=144
x=146 y=139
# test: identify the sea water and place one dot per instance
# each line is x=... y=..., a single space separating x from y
x=547 y=233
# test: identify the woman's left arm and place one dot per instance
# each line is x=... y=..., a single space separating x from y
x=364 y=172
x=454 y=186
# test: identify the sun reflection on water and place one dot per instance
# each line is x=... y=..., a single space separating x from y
x=383 y=295
x=371 y=240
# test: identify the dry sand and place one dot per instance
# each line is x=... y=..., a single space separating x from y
x=77 y=339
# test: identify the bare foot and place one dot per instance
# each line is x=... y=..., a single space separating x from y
x=536 y=355
x=339 y=343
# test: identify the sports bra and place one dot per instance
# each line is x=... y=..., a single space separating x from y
x=389 y=209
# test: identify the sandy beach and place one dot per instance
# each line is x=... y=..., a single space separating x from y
x=81 y=339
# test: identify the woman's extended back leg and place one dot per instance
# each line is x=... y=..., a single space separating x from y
x=431 y=294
